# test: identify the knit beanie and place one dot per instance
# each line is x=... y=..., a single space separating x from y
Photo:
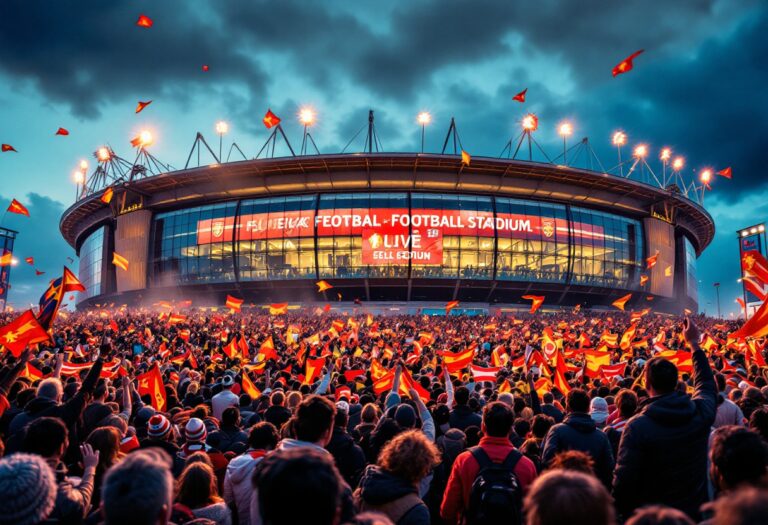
x=28 y=489
x=195 y=430
x=158 y=426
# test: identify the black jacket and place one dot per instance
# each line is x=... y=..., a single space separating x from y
x=228 y=439
x=663 y=450
x=383 y=492
x=349 y=457
x=578 y=432
x=462 y=417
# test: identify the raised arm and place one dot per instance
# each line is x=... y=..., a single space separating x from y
x=704 y=386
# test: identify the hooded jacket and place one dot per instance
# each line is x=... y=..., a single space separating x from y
x=237 y=483
x=383 y=492
x=579 y=432
x=349 y=457
x=663 y=451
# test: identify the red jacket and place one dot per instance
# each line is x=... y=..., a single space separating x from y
x=465 y=470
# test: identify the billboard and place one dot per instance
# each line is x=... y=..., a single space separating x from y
x=752 y=240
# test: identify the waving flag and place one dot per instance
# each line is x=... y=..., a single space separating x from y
x=6 y=259
x=466 y=158
x=727 y=173
x=176 y=319
x=626 y=64
x=17 y=207
x=755 y=326
x=548 y=343
x=652 y=260
x=480 y=373
x=120 y=261
x=593 y=360
x=621 y=301
x=313 y=370
x=51 y=299
x=30 y=261
x=270 y=119
x=151 y=383
x=267 y=349
x=610 y=371
x=141 y=105
x=278 y=308
x=106 y=197
x=754 y=264
x=643 y=279
x=7 y=147
x=21 y=332
x=323 y=286
x=457 y=361
x=757 y=288
x=144 y=21
x=537 y=301
x=450 y=305
x=560 y=382
x=231 y=349
x=62 y=131
x=233 y=303
x=249 y=388
x=520 y=97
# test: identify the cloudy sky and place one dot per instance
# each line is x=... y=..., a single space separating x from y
x=83 y=64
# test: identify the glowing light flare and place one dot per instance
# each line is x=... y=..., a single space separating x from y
x=424 y=118
x=78 y=176
x=307 y=116
x=619 y=138
x=640 y=151
x=705 y=176
x=678 y=163
x=103 y=154
x=83 y=165
x=565 y=129
x=530 y=122
x=761 y=228
x=146 y=138
x=222 y=127
x=666 y=153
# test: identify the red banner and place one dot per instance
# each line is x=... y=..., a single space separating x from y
x=389 y=244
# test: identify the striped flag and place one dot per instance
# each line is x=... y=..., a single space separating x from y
x=480 y=373
x=233 y=303
x=120 y=261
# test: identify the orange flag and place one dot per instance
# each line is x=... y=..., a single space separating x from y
x=450 y=305
x=22 y=331
x=267 y=349
x=231 y=349
x=270 y=119
x=560 y=382
x=233 y=303
x=120 y=261
x=30 y=261
x=457 y=361
x=6 y=259
x=151 y=382
x=323 y=286
x=755 y=326
x=278 y=308
x=106 y=197
x=141 y=105
x=652 y=260
x=727 y=173
x=626 y=64
x=520 y=97
x=621 y=301
x=62 y=131
x=537 y=301
x=313 y=370
x=17 y=207
x=7 y=147
x=643 y=279
x=466 y=158
x=249 y=388
x=144 y=21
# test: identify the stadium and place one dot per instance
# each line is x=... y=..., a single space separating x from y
x=409 y=228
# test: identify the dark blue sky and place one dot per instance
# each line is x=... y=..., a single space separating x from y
x=83 y=64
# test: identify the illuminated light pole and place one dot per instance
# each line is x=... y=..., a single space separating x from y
x=619 y=139
x=677 y=166
x=423 y=118
x=705 y=177
x=145 y=138
x=307 y=118
x=640 y=152
x=103 y=154
x=221 y=128
x=665 y=155
x=565 y=130
x=530 y=124
x=717 y=291
x=79 y=177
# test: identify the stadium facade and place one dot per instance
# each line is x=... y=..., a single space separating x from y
x=389 y=227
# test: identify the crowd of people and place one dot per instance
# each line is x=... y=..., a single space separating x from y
x=142 y=416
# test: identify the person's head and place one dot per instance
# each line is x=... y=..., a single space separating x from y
x=263 y=436
x=660 y=376
x=548 y=398
x=28 y=488
x=659 y=515
x=748 y=506
x=540 y=425
x=294 y=399
x=227 y=382
x=107 y=441
x=195 y=431
x=51 y=388
x=497 y=419
x=199 y=457
x=409 y=456
x=573 y=460
x=626 y=403
x=738 y=457
x=311 y=475
x=46 y=436
x=277 y=398
x=138 y=490
x=314 y=420
x=598 y=410
x=158 y=427
x=758 y=422
x=565 y=496
x=197 y=486
x=577 y=400
x=461 y=395
x=230 y=417
x=370 y=413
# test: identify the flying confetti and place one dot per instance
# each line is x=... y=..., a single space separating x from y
x=465 y=157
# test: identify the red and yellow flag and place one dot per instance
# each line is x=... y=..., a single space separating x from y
x=621 y=301
x=651 y=261
x=278 y=308
x=594 y=359
x=141 y=105
x=270 y=119
x=17 y=207
x=120 y=261
x=267 y=349
x=144 y=21
x=536 y=302
x=466 y=158
x=6 y=259
x=233 y=303
x=313 y=369
x=248 y=386
x=106 y=197
x=626 y=64
x=457 y=361
x=151 y=382
x=323 y=286
x=450 y=305
x=22 y=331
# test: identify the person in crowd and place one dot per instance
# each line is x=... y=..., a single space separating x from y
x=494 y=449
x=758 y=422
x=573 y=460
x=27 y=490
x=578 y=431
x=277 y=413
x=548 y=407
x=262 y=438
x=462 y=416
x=105 y=441
x=659 y=515
x=626 y=406
x=744 y=507
x=48 y=437
x=226 y=398
x=669 y=435
x=162 y=434
x=562 y=497
x=598 y=411
x=738 y=457
x=139 y=490
x=229 y=437
x=349 y=457
x=728 y=412
x=392 y=486
x=197 y=493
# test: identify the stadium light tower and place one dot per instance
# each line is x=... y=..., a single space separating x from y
x=423 y=118
x=221 y=128
x=307 y=118
x=664 y=156
x=530 y=124
x=619 y=139
x=565 y=129
x=705 y=177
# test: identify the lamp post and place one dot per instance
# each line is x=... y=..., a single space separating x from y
x=665 y=155
x=221 y=128
x=423 y=118
x=565 y=130
x=619 y=139
x=307 y=118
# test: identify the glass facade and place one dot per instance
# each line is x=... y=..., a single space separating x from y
x=691 y=283
x=395 y=235
x=91 y=263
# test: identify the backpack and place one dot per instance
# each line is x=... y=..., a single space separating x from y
x=496 y=496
